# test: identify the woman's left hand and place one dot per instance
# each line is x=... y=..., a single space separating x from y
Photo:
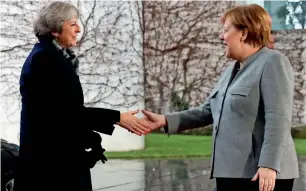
x=266 y=177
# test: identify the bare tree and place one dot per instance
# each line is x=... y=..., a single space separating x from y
x=109 y=50
x=166 y=54
x=110 y=53
x=182 y=63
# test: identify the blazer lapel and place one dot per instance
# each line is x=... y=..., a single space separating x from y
x=246 y=64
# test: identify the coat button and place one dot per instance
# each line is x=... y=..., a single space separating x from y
x=216 y=127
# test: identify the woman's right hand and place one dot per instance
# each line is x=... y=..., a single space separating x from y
x=133 y=124
x=155 y=121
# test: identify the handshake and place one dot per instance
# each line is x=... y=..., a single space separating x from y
x=141 y=126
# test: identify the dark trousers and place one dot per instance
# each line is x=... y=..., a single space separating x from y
x=239 y=184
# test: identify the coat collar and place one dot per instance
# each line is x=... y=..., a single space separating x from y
x=246 y=63
x=253 y=57
x=54 y=48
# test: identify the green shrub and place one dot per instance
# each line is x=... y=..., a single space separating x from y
x=299 y=131
x=207 y=130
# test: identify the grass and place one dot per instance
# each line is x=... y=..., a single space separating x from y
x=175 y=146
x=300 y=145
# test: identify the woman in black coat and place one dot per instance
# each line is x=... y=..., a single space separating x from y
x=58 y=145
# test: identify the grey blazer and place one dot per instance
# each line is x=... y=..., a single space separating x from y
x=251 y=118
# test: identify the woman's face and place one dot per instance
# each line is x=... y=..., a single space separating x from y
x=68 y=37
x=232 y=38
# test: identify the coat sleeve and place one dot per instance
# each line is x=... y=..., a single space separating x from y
x=94 y=117
x=189 y=119
x=277 y=88
x=195 y=117
x=47 y=95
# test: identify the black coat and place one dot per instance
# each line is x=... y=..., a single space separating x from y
x=56 y=127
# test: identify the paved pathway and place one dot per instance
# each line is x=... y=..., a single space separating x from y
x=163 y=175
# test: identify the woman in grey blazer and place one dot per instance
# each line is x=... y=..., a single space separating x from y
x=250 y=109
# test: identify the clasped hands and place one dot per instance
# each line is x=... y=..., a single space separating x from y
x=141 y=126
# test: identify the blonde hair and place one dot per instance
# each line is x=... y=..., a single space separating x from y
x=255 y=19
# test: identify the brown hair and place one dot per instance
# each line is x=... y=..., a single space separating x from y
x=255 y=19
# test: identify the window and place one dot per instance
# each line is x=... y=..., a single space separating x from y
x=290 y=14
